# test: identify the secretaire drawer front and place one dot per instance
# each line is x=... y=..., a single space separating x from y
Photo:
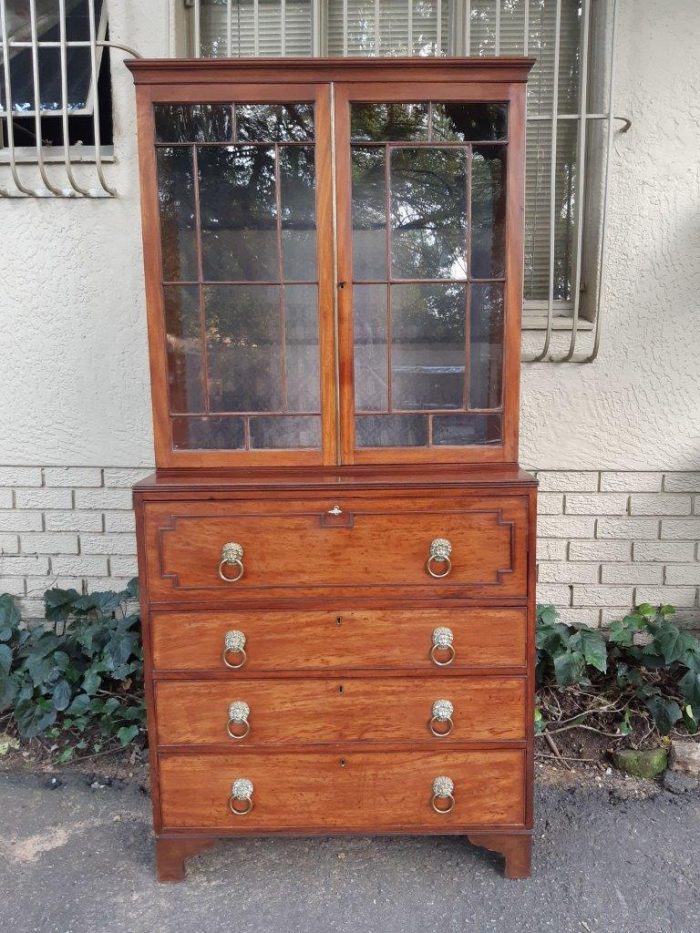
x=352 y=709
x=267 y=549
x=326 y=640
x=349 y=791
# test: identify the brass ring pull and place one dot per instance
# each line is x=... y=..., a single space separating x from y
x=442 y=713
x=231 y=556
x=443 y=789
x=442 y=641
x=238 y=713
x=234 y=645
x=240 y=803
x=440 y=550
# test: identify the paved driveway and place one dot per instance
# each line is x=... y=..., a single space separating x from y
x=77 y=859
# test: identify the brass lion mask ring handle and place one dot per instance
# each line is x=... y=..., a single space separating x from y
x=231 y=557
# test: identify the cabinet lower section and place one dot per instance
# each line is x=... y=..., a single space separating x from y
x=317 y=662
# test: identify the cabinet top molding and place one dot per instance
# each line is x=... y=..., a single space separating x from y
x=312 y=70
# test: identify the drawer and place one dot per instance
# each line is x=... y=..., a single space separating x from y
x=324 y=640
x=362 y=547
x=315 y=710
x=354 y=791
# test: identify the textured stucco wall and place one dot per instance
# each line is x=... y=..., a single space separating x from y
x=74 y=375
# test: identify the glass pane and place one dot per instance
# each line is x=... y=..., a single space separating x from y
x=177 y=215
x=428 y=213
x=466 y=430
x=369 y=213
x=395 y=122
x=466 y=122
x=427 y=346
x=488 y=212
x=208 y=433
x=238 y=213
x=300 y=431
x=486 y=346
x=391 y=430
x=244 y=347
x=301 y=346
x=193 y=123
x=184 y=348
x=274 y=122
x=371 y=360
x=298 y=198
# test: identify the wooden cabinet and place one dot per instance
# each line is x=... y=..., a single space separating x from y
x=337 y=549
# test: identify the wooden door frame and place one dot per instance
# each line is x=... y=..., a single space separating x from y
x=397 y=88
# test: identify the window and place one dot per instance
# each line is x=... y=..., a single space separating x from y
x=55 y=93
x=568 y=107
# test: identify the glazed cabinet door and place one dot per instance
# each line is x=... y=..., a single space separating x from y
x=238 y=240
x=428 y=256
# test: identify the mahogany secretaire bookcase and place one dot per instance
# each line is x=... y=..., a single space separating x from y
x=337 y=550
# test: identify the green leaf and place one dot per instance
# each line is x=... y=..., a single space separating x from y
x=690 y=720
x=646 y=609
x=9 y=617
x=569 y=668
x=546 y=615
x=33 y=717
x=672 y=642
x=80 y=705
x=61 y=695
x=126 y=734
x=66 y=755
x=91 y=682
x=625 y=726
x=666 y=712
x=39 y=669
x=59 y=603
x=594 y=649
x=540 y=722
x=689 y=686
x=5 y=660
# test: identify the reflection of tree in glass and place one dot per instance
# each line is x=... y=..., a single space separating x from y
x=488 y=212
x=393 y=122
x=238 y=212
x=274 y=122
x=428 y=213
x=176 y=200
x=428 y=314
x=243 y=339
x=464 y=122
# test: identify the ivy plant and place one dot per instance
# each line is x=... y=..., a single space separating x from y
x=77 y=680
x=647 y=660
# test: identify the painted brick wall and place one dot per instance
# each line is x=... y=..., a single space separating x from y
x=606 y=540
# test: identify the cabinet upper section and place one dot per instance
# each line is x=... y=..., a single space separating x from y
x=333 y=256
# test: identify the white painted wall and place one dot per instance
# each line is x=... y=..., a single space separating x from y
x=74 y=364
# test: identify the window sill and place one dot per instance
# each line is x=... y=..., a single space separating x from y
x=539 y=322
x=86 y=155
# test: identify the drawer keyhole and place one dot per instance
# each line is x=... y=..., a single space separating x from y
x=341 y=689
x=342 y=762
x=338 y=620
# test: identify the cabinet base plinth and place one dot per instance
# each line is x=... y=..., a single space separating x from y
x=515 y=849
x=173 y=852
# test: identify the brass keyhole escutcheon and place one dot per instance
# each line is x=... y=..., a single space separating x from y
x=341 y=689
x=342 y=762
x=339 y=620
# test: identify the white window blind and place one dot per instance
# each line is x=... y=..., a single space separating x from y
x=568 y=103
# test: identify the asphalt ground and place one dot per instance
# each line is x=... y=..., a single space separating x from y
x=76 y=856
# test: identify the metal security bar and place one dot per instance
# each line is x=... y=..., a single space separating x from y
x=570 y=127
x=38 y=57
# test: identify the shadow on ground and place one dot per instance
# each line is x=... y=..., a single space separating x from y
x=77 y=858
